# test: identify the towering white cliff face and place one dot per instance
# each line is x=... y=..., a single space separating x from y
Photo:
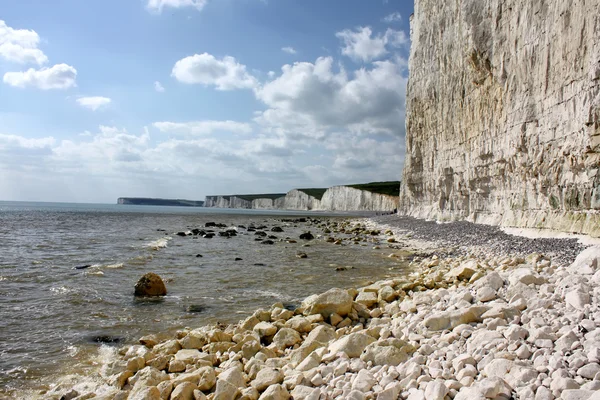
x=298 y=200
x=503 y=113
x=344 y=198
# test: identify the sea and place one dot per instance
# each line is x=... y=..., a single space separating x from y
x=67 y=276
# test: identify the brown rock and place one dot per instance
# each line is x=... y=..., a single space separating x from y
x=150 y=285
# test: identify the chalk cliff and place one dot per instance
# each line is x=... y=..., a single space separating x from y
x=344 y=198
x=226 y=202
x=337 y=198
x=298 y=200
x=503 y=113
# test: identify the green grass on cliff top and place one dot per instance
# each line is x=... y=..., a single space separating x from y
x=388 y=188
x=250 y=197
x=316 y=193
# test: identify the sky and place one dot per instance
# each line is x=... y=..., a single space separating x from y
x=188 y=98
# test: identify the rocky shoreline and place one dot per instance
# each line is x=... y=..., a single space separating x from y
x=468 y=322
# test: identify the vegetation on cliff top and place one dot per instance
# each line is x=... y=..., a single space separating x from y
x=388 y=188
x=250 y=197
x=316 y=193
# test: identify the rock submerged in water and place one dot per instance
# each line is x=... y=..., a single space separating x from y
x=307 y=236
x=150 y=285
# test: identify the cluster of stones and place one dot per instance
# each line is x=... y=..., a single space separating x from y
x=455 y=328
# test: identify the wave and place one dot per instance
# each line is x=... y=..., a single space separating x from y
x=272 y=294
x=114 y=266
x=159 y=243
x=62 y=290
x=95 y=273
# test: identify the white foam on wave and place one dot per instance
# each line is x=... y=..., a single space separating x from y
x=273 y=294
x=114 y=266
x=159 y=243
x=95 y=273
x=62 y=289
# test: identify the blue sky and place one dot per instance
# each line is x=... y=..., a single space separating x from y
x=187 y=98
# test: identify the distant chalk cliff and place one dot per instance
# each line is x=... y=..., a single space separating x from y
x=143 y=201
x=376 y=196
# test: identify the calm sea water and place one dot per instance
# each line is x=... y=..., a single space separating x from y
x=52 y=314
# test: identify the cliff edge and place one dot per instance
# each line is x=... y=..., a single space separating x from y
x=503 y=113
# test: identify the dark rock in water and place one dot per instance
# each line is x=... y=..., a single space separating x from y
x=160 y=230
x=228 y=233
x=195 y=308
x=150 y=285
x=105 y=339
x=198 y=255
x=241 y=226
x=181 y=234
x=273 y=237
x=268 y=242
x=261 y=233
x=220 y=225
x=339 y=269
x=302 y=255
x=262 y=227
x=238 y=259
x=307 y=236
x=209 y=224
x=251 y=229
x=198 y=232
x=276 y=229
x=83 y=266
x=258 y=239
x=209 y=236
x=259 y=265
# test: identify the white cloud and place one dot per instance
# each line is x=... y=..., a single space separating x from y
x=19 y=54
x=60 y=76
x=308 y=100
x=159 y=87
x=93 y=103
x=289 y=50
x=360 y=46
x=159 y=5
x=13 y=142
x=20 y=45
x=225 y=74
x=202 y=127
x=393 y=17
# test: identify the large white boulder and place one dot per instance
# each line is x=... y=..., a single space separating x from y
x=267 y=377
x=333 y=301
x=353 y=344
x=388 y=352
x=587 y=262
x=452 y=319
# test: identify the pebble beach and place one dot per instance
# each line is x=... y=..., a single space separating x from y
x=479 y=315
